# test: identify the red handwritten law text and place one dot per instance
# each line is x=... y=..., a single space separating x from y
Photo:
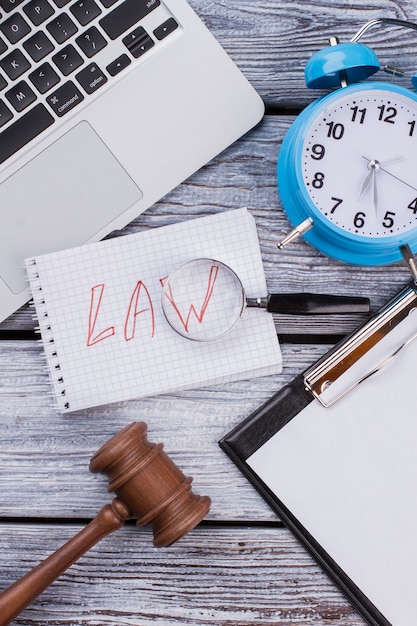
x=192 y=310
x=95 y=304
x=134 y=309
x=141 y=302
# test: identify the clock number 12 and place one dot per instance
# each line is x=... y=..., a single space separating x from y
x=391 y=112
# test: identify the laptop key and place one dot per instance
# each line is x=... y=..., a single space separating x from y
x=91 y=42
x=62 y=28
x=138 y=42
x=29 y=126
x=5 y=114
x=118 y=64
x=126 y=15
x=65 y=98
x=15 y=64
x=38 y=46
x=165 y=29
x=9 y=5
x=44 y=78
x=108 y=3
x=85 y=11
x=38 y=11
x=3 y=46
x=67 y=60
x=20 y=96
x=15 y=28
x=91 y=78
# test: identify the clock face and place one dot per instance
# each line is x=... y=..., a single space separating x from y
x=359 y=165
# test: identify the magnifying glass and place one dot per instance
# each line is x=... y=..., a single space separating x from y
x=204 y=299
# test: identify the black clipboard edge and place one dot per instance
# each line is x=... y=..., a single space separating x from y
x=268 y=419
x=250 y=435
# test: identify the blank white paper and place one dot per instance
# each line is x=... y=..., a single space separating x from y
x=349 y=475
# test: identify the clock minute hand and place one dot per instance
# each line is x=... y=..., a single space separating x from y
x=381 y=166
x=399 y=179
x=375 y=194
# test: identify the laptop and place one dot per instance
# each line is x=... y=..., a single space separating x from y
x=105 y=106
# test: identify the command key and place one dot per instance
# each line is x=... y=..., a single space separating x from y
x=65 y=98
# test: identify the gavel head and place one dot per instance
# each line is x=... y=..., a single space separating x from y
x=149 y=483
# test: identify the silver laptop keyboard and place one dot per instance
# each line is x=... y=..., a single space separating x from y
x=56 y=54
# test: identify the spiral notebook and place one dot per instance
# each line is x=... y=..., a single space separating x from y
x=334 y=453
x=104 y=333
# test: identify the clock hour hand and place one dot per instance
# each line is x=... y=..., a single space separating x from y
x=381 y=166
x=373 y=166
x=366 y=183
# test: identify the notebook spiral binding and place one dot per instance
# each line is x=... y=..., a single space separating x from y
x=47 y=337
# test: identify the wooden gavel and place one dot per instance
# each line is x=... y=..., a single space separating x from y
x=149 y=486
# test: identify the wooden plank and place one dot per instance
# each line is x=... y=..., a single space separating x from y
x=230 y=576
x=44 y=456
x=275 y=65
x=219 y=574
x=244 y=175
x=271 y=42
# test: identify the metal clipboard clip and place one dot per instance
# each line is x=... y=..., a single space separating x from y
x=352 y=361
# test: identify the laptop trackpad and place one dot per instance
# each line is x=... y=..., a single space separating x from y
x=60 y=199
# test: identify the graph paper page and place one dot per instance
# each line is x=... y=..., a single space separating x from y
x=104 y=332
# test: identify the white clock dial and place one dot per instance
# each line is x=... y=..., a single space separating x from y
x=359 y=163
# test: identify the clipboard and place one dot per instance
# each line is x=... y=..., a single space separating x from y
x=334 y=453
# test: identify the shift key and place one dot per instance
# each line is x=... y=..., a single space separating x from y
x=126 y=15
x=24 y=130
x=65 y=98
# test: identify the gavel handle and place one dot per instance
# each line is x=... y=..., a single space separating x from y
x=20 y=594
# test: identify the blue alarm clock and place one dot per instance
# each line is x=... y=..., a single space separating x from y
x=347 y=168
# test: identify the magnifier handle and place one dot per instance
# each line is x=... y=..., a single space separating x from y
x=315 y=304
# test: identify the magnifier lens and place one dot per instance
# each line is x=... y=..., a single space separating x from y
x=203 y=299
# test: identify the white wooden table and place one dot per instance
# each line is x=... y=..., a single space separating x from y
x=241 y=566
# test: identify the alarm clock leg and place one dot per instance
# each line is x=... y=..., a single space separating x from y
x=410 y=261
x=296 y=233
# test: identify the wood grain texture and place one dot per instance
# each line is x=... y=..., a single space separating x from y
x=244 y=176
x=44 y=456
x=271 y=40
x=213 y=576
x=241 y=568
